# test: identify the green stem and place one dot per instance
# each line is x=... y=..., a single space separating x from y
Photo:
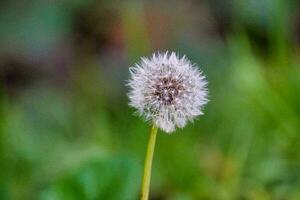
x=148 y=164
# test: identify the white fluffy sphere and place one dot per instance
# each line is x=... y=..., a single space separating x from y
x=167 y=90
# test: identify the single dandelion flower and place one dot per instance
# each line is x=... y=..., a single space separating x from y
x=168 y=91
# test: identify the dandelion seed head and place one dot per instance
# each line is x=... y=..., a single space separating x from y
x=167 y=90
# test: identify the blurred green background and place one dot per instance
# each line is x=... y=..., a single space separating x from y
x=66 y=131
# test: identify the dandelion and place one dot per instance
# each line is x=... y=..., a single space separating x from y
x=168 y=91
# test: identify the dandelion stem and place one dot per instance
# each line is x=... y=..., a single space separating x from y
x=148 y=164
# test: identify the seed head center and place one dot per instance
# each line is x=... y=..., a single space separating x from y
x=167 y=89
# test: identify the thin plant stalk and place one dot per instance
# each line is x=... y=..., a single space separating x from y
x=148 y=164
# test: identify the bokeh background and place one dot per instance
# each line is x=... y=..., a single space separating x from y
x=66 y=131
